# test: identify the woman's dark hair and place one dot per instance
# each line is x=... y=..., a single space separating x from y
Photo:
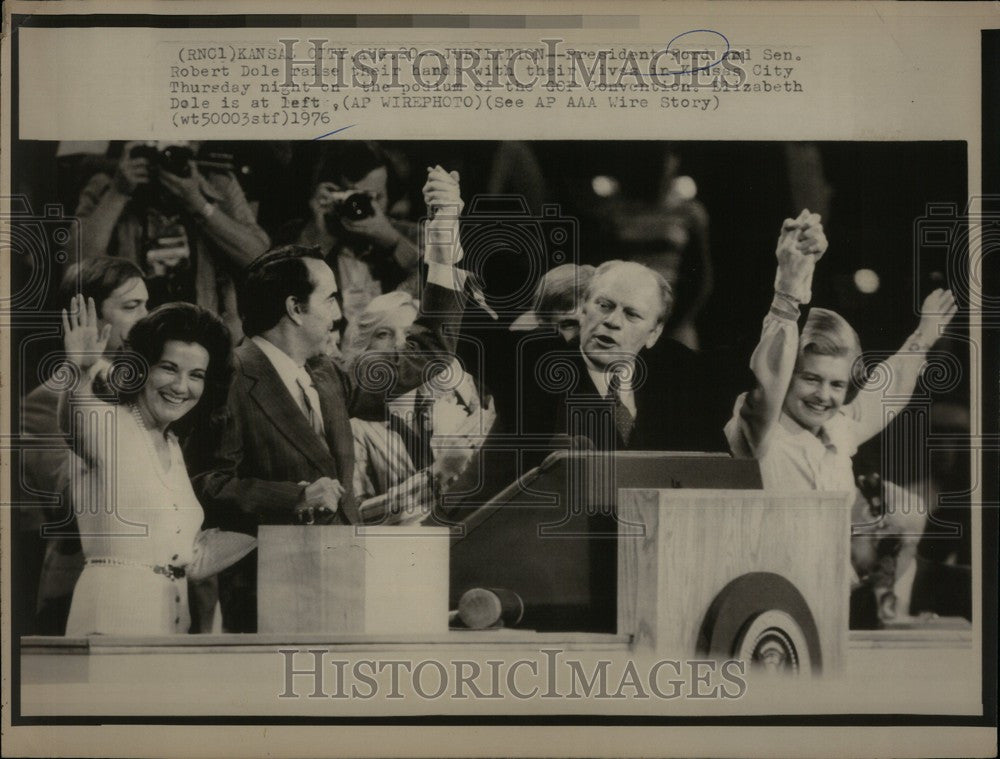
x=267 y=283
x=186 y=323
x=96 y=278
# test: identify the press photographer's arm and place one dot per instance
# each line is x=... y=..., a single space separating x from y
x=385 y=238
x=238 y=236
x=217 y=207
x=102 y=201
x=375 y=229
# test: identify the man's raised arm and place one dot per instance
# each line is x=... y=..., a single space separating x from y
x=434 y=335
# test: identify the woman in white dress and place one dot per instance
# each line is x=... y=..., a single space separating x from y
x=137 y=513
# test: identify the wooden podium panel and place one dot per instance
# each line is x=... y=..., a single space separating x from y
x=346 y=579
x=698 y=542
x=552 y=537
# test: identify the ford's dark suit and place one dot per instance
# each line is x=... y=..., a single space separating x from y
x=678 y=406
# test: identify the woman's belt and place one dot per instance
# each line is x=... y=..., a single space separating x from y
x=169 y=570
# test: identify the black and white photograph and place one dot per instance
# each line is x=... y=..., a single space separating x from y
x=333 y=424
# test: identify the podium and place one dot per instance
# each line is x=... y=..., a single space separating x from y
x=552 y=535
x=753 y=575
x=352 y=580
x=683 y=553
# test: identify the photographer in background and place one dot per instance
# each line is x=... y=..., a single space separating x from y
x=369 y=252
x=190 y=230
x=894 y=585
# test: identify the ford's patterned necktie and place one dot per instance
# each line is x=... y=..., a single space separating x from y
x=624 y=421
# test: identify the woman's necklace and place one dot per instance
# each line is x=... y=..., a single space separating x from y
x=147 y=440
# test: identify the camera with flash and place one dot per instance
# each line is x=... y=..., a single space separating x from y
x=350 y=205
x=174 y=158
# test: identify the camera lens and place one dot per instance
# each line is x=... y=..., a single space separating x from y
x=174 y=159
x=356 y=206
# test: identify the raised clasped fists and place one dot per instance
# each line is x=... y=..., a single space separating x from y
x=936 y=313
x=801 y=244
x=442 y=194
x=443 y=197
x=83 y=338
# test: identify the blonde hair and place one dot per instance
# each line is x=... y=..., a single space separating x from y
x=359 y=332
x=562 y=288
x=827 y=333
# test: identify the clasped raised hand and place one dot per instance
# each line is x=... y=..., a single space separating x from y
x=801 y=244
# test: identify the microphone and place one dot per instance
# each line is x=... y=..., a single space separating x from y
x=481 y=608
x=573 y=443
x=564 y=443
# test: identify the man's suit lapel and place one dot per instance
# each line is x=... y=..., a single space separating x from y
x=586 y=389
x=585 y=393
x=583 y=386
x=337 y=426
x=643 y=413
x=271 y=395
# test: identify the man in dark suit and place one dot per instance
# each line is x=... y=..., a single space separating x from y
x=283 y=452
x=619 y=386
